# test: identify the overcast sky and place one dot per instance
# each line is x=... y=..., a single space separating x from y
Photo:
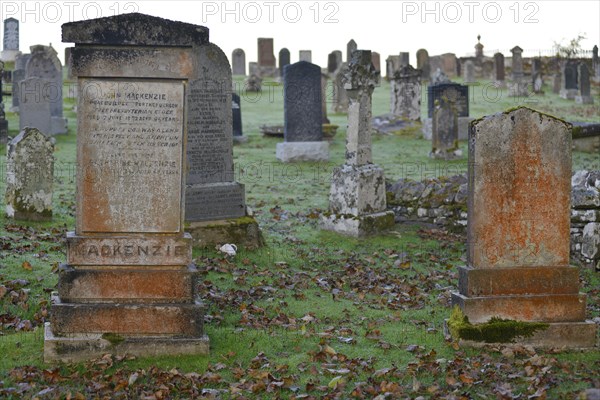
x=387 y=27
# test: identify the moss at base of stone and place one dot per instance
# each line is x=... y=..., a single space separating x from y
x=113 y=338
x=379 y=223
x=496 y=330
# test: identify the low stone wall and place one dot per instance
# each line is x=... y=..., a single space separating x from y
x=443 y=202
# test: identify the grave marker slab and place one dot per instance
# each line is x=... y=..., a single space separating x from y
x=376 y=61
x=29 y=176
x=357 y=202
x=238 y=62
x=518 y=86
x=284 y=59
x=570 y=80
x=444 y=140
x=305 y=55
x=302 y=115
x=137 y=74
x=10 y=40
x=423 y=63
x=584 y=96
x=499 y=67
x=406 y=93
x=518 y=229
x=236 y=109
x=35 y=104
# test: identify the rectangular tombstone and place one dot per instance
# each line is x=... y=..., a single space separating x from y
x=266 y=57
x=444 y=138
x=305 y=55
x=138 y=78
x=406 y=93
x=519 y=225
x=35 y=105
x=238 y=62
x=284 y=59
x=499 y=66
x=236 y=110
x=456 y=93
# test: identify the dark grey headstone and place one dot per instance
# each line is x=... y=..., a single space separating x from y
x=584 y=79
x=284 y=59
x=35 y=104
x=302 y=102
x=238 y=62
x=570 y=80
x=404 y=59
x=236 y=108
x=44 y=64
x=536 y=66
x=499 y=66
x=332 y=64
x=444 y=128
x=11 y=34
x=455 y=93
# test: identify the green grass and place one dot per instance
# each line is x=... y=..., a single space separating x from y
x=308 y=288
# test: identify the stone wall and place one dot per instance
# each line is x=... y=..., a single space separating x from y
x=443 y=202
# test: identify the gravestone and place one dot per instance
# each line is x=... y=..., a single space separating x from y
x=596 y=63
x=556 y=82
x=305 y=55
x=469 y=72
x=439 y=77
x=357 y=200
x=392 y=64
x=238 y=62
x=536 y=75
x=17 y=76
x=499 y=67
x=488 y=69
x=518 y=87
x=253 y=68
x=449 y=64
x=376 y=61
x=324 y=87
x=236 y=109
x=129 y=271
x=339 y=103
x=519 y=193
x=266 y=58
x=404 y=59
x=350 y=47
x=570 y=80
x=35 y=104
x=303 y=117
x=584 y=96
x=10 y=49
x=3 y=121
x=44 y=64
x=332 y=62
x=456 y=94
x=444 y=138
x=284 y=59
x=406 y=93
x=339 y=58
x=29 y=176
x=423 y=63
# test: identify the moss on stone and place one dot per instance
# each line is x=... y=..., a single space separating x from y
x=496 y=330
x=113 y=338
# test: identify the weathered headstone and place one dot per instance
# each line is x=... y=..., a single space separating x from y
x=423 y=63
x=266 y=58
x=488 y=69
x=350 y=47
x=556 y=82
x=596 y=63
x=302 y=115
x=236 y=109
x=332 y=62
x=392 y=64
x=519 y=86
x=35 y=104
x=406 y=93
x=444 y=138
x=449 y=64
x=584 y=96
x=376 y=61
x=238 y=62
x=305 y=55
x=570 y=80
x=339 y=102
x=357 y=200
x=17 y=76
x=499 y=67
x=29 y=176
x=10 y=42
x=456 y=94
x=518 y=229
x=44 y=64
x=536 y=75
x=129 y=272
x=404 y=58
x=284 y=59
x=469 y=72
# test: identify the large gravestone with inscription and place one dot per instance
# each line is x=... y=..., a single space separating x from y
x=519 y=213
x=129 y=272
x=10 y=40
x=44 y=64
x=302 y=108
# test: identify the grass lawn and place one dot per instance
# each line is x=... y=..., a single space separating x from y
x=313 y=314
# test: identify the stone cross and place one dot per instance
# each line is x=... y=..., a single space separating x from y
x=359 y=82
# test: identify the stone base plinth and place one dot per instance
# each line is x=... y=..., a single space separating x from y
x=302 y=151
x=584 y=100
x=357 y=190
x=358 y=226
x=244 y=232
x=82 y=347
x=567 y=335
x=529 y=308
x=463 y=128
x=568 y=94
x=9 y=55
